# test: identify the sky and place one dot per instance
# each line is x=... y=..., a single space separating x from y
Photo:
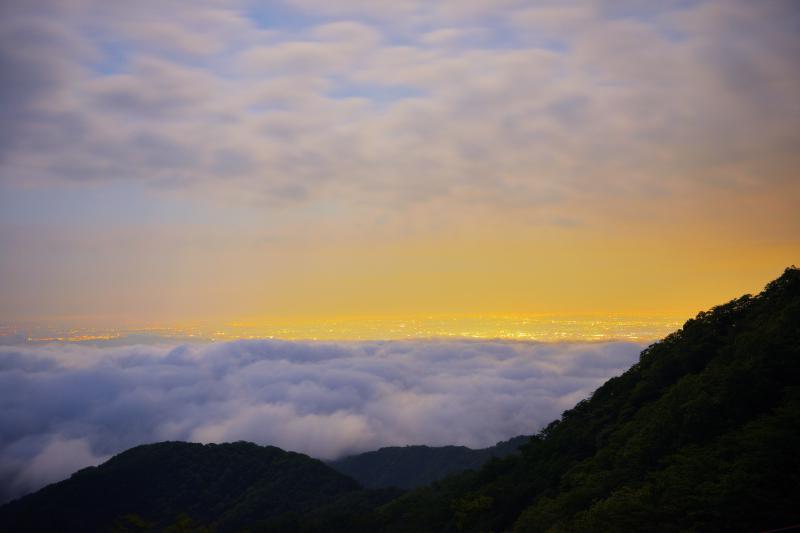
x=166 y=161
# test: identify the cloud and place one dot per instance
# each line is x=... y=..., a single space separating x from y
x=57 y=460
x=453 y=36
x=666 y=99
x=63 y=407
x=378 y=9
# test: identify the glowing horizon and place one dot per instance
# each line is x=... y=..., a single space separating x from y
x=543 y=328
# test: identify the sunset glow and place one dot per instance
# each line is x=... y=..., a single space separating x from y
x=304 y=161
x=542 y=328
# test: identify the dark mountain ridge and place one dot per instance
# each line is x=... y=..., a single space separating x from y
x=225 y=485
x=408 y=467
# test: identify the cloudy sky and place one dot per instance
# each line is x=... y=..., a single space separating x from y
x=214 y=159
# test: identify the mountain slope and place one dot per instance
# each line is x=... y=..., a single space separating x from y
x=412 y=466
x=701 y=434
x=227 y=485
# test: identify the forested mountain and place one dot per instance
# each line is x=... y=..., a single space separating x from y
x=702 y=434
x=408 y=467
x=149 y=487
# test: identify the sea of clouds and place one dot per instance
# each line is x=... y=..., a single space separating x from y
x=67 y=406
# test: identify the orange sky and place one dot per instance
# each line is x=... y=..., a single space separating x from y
x=311 y=162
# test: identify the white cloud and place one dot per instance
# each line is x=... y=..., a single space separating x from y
x=658 y=99
x=57 y=460
x=381 y=9
x=63 y=407
x=453 y=36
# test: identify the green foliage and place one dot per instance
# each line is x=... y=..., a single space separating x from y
x=184 y=524
x=465 y=509
x=131 y=523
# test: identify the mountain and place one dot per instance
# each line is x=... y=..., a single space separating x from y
x=152 y=486
x=702 y=434
x=408 y=467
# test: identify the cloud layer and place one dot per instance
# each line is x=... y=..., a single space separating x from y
x=63 y=407
x=400 y=103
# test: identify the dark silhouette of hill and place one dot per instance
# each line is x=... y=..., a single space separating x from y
x=408 y=467
x=226 y=485
x=702 y=434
